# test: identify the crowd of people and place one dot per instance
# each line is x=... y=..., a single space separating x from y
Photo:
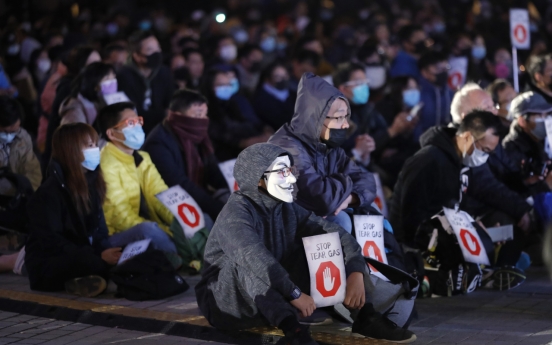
x=328 y=107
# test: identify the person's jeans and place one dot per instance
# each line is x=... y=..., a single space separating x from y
x=343 y=220
x=159 y=239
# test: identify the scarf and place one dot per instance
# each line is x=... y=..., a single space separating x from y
x=191 y=132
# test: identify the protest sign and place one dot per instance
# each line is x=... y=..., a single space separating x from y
x=184 y=208
x=369 y=235
x=133 y=249
x=468 y=239
x=227 y=169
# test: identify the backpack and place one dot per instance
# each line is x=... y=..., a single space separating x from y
x=13 y=208
x=189 y=249
x=147 y=276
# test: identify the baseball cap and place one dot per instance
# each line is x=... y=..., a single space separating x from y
x=528 y=102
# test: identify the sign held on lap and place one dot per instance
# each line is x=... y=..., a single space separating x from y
x=184 y=208
x=133 y=249
x=227 y=169
x=326 y=268
x=369 y=235
x=468 y=239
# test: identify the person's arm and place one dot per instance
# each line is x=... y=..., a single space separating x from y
x=100 y=239
x=71 y=111
x=30 y=166
x=364 y=184
x=154 y=185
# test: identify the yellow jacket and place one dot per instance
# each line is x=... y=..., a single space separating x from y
x=124 y=181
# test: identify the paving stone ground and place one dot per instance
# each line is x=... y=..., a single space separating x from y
x=519 y=316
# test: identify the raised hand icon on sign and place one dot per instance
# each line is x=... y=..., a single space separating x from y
x=372 y=254
x=328 y=279
x=189 y=215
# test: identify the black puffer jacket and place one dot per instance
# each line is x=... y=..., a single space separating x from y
x=326 y=176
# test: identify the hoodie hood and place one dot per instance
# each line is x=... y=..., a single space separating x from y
x=315 y=96
x=253 y=162
x=443 y=138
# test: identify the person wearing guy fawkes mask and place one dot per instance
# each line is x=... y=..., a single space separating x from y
x=146 y=82
x=434 y=92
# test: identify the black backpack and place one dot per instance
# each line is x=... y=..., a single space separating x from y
x=13 y=208
x=147 y=276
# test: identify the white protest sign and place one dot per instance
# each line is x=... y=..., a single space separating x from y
x=116 y=97
x=458 y=72
x=184 y=208
x=327 y=269
x=468 y=239
x=133 y=249
x=227 y=169
x=369 y=235
x=519 y=28
x=548 y=124
x=380 y=196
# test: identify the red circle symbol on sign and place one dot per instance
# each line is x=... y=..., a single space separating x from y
x=454 y=80
x=328 y=279
x=470 y=242
x=236 y=187
x=370 y=249
x=189 y=215
x=520 y=33
x=378 y=202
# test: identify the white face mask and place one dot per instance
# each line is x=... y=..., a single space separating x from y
x=477 y=158
x=277 y=185
x=377 y=76
x=228 y=53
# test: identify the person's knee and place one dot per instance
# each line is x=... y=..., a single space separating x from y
x=344 y=220
x=151 y=230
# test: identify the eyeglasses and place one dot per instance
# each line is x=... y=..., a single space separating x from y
x=357 y=82
x=131 y=122
x=284 y=171
x=340 y=120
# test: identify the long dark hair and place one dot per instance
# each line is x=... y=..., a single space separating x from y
x=67 y=145
x=88 y=80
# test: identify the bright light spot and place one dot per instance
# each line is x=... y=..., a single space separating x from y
x=220 y=18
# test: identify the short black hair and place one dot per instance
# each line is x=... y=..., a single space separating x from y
x=10 y=111
x=110 y=116
x=110 y=48
x=247 y=49
x=136 y=39
x=537 y=64
x=496 y=86
x=91 y=77
x=343 y=72
x=77 y=58
x=430 y=58
x=182 y=100
x=406 y=32
x=189 y=51
x=478 y=122
x=307 y=56
x=369 y=48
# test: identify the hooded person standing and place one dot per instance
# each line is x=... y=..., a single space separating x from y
x=328 y=182
x=255 y=264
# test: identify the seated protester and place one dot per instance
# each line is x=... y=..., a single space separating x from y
x=273 y=101
x=68 y=244
x=350 y=79
x=431 y=179
x=238 y=98
x=183 y=154
x=250 y=58
x=195 y=64
x=403 y=96
x=229 y=130
x=434 y=92
x=329 y=182
x=86 y=99
x=302 y=61
x=255 y=264
x=502 y=93
x=525 y=144
x=539 y=68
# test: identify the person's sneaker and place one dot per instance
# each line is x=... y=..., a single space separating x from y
x=507 y=278
x=317 y=318
x=380 y=327
x=301 y=336
x=90 y=286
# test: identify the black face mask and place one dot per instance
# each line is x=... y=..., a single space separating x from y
x=441 y=79
x=465 y=52
x=281 y=85
x=255 y=67
x=154 y=60
x=420 y=47
x=337 y=137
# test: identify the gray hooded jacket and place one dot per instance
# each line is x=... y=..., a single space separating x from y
x=326 y=176
x=252 y=236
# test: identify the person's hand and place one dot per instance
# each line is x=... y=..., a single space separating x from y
x=400 y=124
x=112 y=255
x=344 y=205
x=525 y=223
x=305 y=305
x=548 y=179
x=355 y=295
x=365 y=144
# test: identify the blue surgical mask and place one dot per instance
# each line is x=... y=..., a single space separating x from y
x=7 y=138
x=134 y=137
x=91 y=158
x=479 y=52
x=235 y=86
x=268 y=44
x=224 y=92
x=361 y=93
x=281 y=46
x=411 y=97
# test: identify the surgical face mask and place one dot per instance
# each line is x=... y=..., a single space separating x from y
x=278 y=185
x=7 y=138
x=91 y=158
x=154 y=60
x=241 y=36
x=134 y=137
x=376 y=75
x=439 y=27
x=361 y=93
x=479 y=52
x=282 y=84
x=268 y=44
x=441 y=79
x=44 y=65
x=108 y=87
x=539 y=131
x=235 y=84
x=224 y=92
x=281 y=46
x=420 y=47
x=477 y=158
x=337 y=137
x=411 y=97
x=112 y=29
x=145 y=25
x=255 y=67
x=13 y=49
x=503 y=70
x=228 y=53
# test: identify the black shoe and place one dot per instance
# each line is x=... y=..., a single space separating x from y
x=301 y=336
x=380 y=327
x=318 y=318
x=90 y=286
